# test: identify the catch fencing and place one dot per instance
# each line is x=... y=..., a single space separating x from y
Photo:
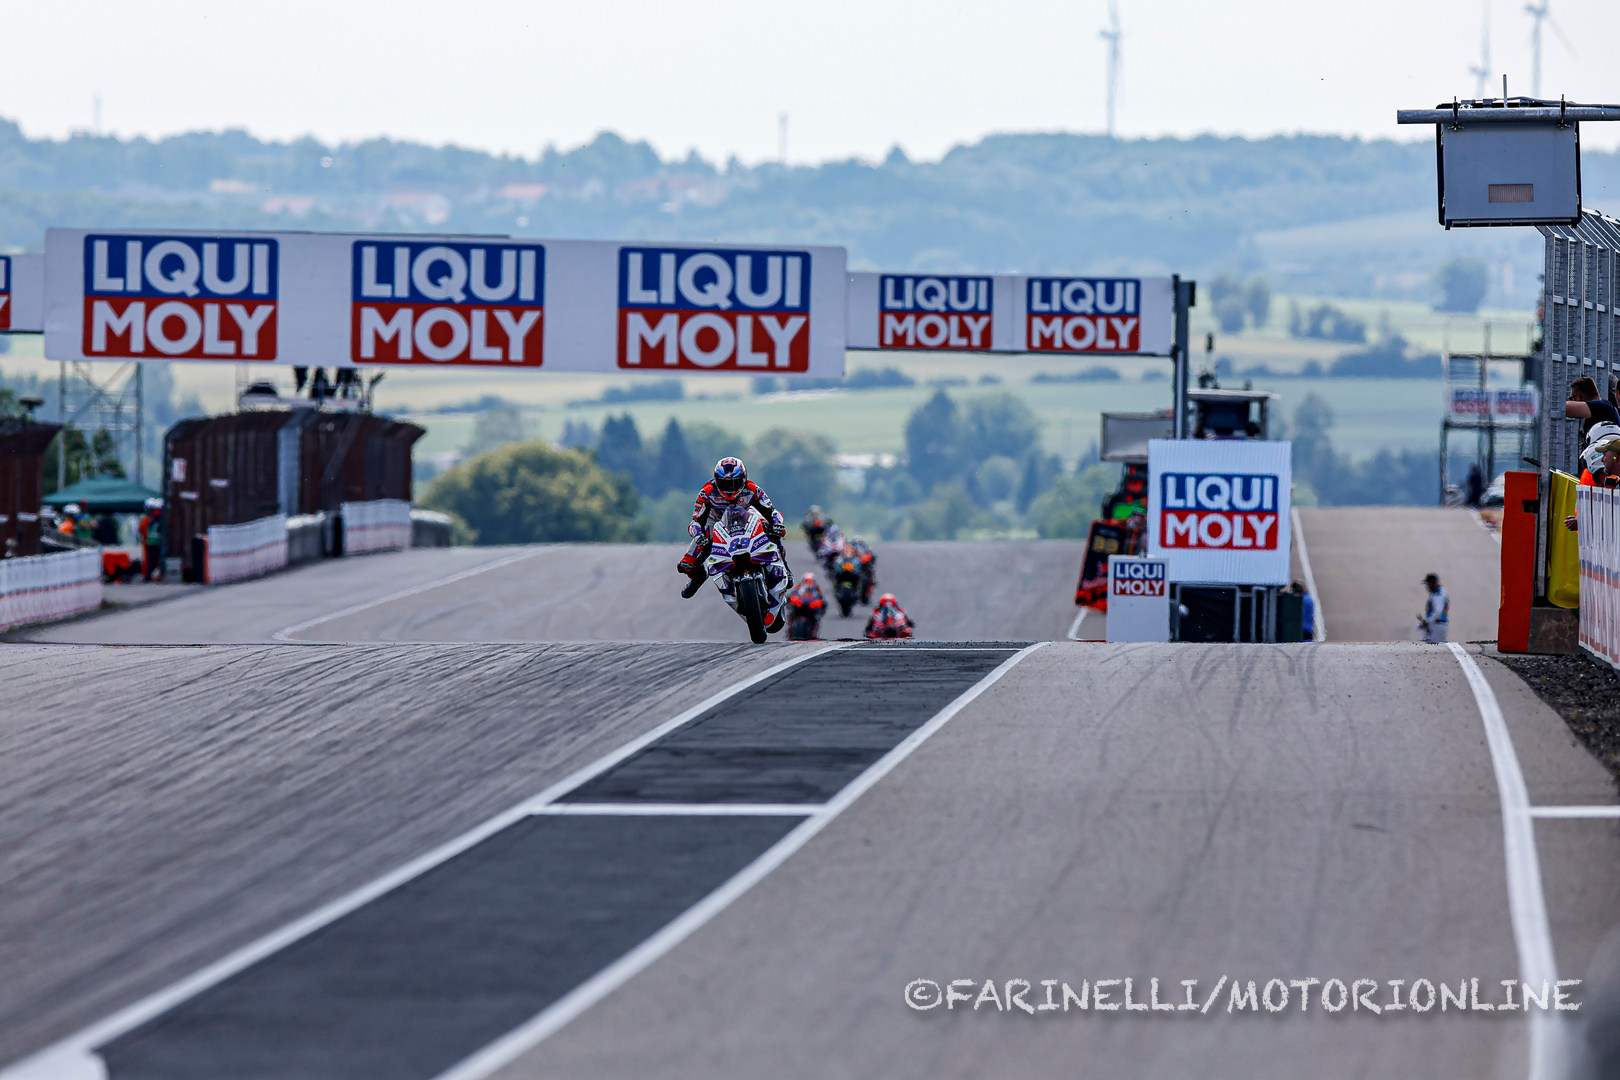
x=40 y=588
x=236 y=552
x=1598 y=512
x=380 y=525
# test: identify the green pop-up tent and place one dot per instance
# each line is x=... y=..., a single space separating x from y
x=103 y=495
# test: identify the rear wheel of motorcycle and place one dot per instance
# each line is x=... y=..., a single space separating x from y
x=751 y=608
x=846 y=604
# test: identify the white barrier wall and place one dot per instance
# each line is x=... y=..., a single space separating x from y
x=246 y=550
x=1598 y=511
x=381 y=525
x=45 y=587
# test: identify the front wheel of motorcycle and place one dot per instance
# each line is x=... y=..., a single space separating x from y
x=751 y=606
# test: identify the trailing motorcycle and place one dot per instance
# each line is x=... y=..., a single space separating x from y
x=848 y=576
x=748 y=570
x=804 y=616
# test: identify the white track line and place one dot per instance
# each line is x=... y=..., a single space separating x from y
x=286 y=633
x=1526 y=904
x=615 y=975
x=1074 y=627
x=1575 y=811
x=73 y=1057
x=1320 y=630
x=589 y=809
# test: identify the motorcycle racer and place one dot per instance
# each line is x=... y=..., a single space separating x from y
x=815 y=523
x=889 y=620
x=868 y=568
x=730 y=487
x=805 y=605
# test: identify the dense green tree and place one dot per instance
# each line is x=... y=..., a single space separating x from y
x=676 y=469
x=495 y=427
x=795 y=468
x=946 y=512
x=997 y=425
x=709 y=443
x=1066 y=511
x=619 y=449
x=529 y=493
x=1040 y=471
x=933 y=441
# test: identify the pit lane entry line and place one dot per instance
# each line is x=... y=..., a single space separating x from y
x=1527 y=905
x=74 y=1058
x=506 y=1049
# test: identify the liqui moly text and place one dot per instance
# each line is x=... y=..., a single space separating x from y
x=934 y=312
x=181 y=297
x=719 y=310
x=1084 y=315
x=1137 y=579
x=443 y=302
x=1219 y=510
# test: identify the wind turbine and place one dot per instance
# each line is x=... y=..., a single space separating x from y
x=1112 y=36
x=1482 y=72
x=1540 y=14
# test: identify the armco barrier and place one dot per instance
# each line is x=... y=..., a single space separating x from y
x=1598 y=512
x=382 y=525
x=430 y=529
x=246 y=550
x=309 y=537
x=44 y=587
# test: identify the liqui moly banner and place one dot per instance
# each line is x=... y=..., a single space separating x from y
x=1218 y=510
x=1011 y=313
x=363 y=301
x=22 y=294
x=721 y=309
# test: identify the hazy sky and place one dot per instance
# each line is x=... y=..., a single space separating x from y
x=854 y=77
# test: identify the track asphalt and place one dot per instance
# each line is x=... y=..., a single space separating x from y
x=747 y=887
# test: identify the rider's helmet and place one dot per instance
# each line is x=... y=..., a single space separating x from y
x=814 y=514
x=730 y=478
x=808 y=579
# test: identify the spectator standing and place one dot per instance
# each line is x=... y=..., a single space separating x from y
x=1436 y=617
x=1586 y=405
x=1604 y=470
x=1474 y=487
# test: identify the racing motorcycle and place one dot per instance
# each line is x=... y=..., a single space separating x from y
x=832 y=542
x=848 y=576
x=804 y=617
x=747 y=569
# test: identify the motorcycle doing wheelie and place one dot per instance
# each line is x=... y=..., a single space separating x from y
x=748 y=570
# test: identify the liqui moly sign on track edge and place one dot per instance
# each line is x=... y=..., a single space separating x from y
x=1219 y=510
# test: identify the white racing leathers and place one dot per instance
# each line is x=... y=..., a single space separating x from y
x=738 y=540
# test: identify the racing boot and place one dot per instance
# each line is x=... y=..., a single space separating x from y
x=695 y=574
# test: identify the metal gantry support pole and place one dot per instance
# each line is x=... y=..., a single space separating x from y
x=1186 y=294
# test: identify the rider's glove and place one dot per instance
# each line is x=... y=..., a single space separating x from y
x=696 y=531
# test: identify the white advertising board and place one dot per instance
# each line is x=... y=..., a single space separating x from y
x=1218 y=510
x=1013 y=313
x=22 y=293
x=1138 y=598
x=443 y=301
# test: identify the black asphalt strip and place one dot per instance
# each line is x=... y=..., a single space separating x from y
x=798 y=738
x=426 y=975
x=422 y=977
